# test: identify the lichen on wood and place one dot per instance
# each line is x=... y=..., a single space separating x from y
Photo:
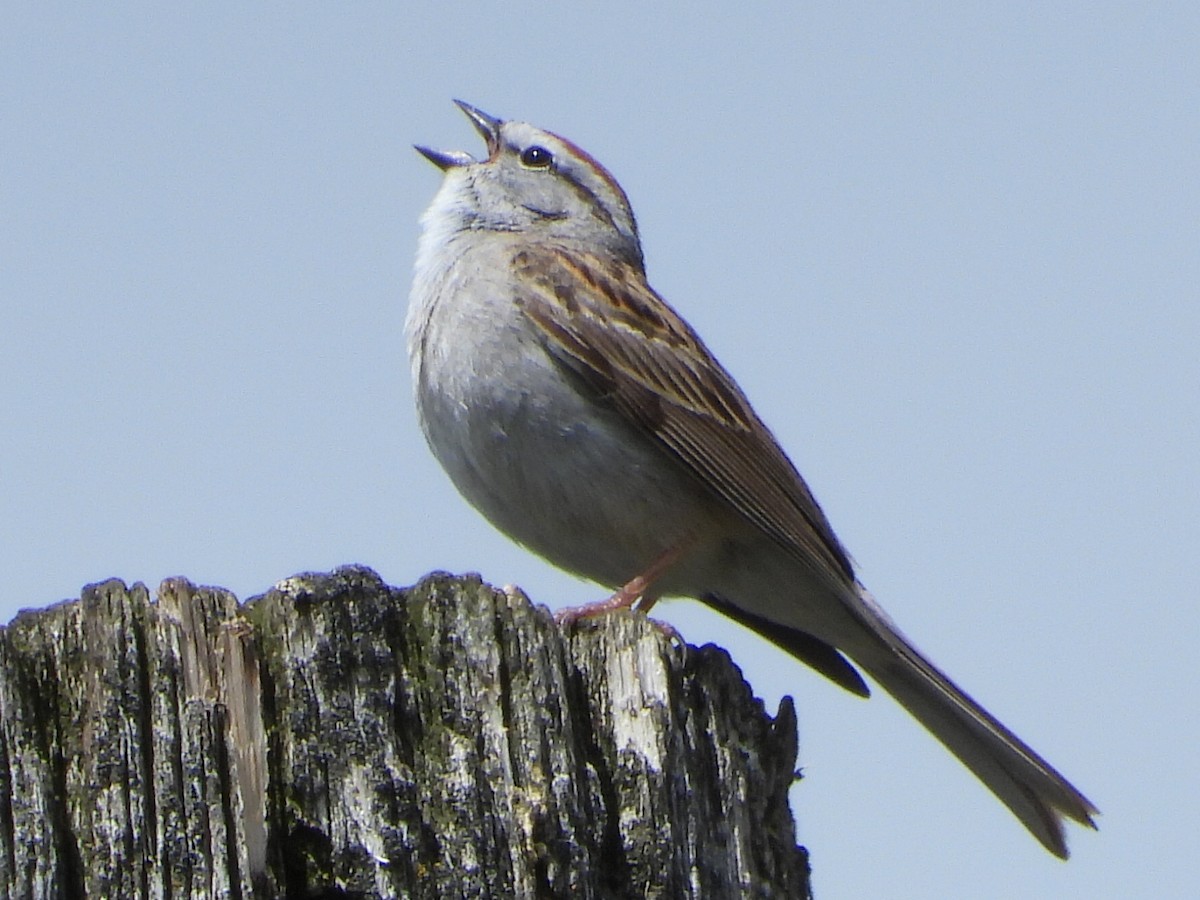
x=337 y=737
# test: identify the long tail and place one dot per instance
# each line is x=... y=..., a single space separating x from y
x=1028 y=785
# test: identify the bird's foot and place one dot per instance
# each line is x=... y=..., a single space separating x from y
x=622 y=599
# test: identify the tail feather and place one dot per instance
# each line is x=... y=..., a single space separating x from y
x=1028 y=785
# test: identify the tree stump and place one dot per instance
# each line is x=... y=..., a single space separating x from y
x=336 y=737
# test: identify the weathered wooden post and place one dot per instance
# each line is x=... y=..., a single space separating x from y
x=337 y=737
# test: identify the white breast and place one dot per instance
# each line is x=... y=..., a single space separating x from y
x=544 y=463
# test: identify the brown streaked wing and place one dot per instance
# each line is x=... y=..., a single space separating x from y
x=601 y=319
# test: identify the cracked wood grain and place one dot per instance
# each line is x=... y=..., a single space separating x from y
x=337 y=737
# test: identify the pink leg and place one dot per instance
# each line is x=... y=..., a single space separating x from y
x=627 y=596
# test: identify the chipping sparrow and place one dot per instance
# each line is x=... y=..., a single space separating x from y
x=583 y=417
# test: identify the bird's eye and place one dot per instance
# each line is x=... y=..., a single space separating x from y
x=536 y=158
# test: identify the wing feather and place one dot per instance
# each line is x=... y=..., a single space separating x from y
x=599 y=318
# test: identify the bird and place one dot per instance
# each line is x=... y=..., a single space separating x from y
x=584 y=418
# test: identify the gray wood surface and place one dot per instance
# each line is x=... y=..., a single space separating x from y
x=336 y=737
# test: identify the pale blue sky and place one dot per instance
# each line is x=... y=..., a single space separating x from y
x=950 y=253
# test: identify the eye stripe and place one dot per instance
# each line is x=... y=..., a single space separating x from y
x=615 y=204
x=590 y=160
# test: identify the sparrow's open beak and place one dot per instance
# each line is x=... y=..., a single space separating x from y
x=487 y=126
